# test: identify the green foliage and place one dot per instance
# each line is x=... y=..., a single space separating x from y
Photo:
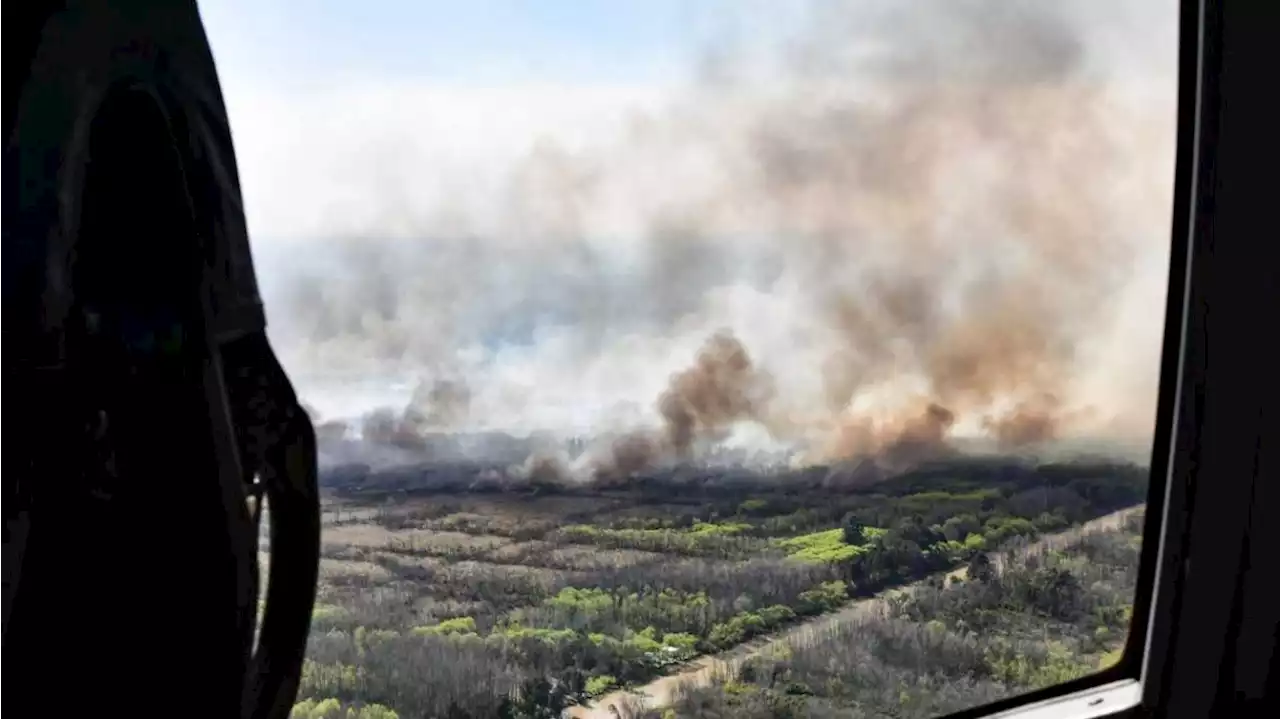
x=1000 y=529
x=1045 y=619
x=333 y=709
x=1023 y=670
x=645 y=640
x=854 y=531
x=326 y=613
x=740 y=688
x=545 y=635
x=823 y=598
x=335 y=679
x=828 y=546
x=457 y=625
x=312 y=709
x=707 y=529
x=700 y=538
x=939 y=497
x=961 y=526
x=633 y=617
x=953 y=551
x=1052 y=591
x=365 y=638
x=1111 y=658
x=980 y=568
x=797 y=689
x=644 y=650
x=684 y=644
x=582 y=599
x=1049 y=522
x=596 y=610
x=745 y=625
x=777 y=615
x=602 y=684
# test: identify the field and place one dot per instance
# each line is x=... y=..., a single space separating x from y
x=436 y=601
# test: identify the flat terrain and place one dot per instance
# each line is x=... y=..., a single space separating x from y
x=706 y=670
x=442 y=602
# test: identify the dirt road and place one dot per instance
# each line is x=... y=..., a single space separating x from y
x=701 y=672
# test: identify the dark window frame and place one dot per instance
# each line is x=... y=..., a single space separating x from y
x=1204 y=638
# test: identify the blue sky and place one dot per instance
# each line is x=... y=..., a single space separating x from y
x=471 y=41
x=312 y=86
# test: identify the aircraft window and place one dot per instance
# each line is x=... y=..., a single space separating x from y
x=758 y=359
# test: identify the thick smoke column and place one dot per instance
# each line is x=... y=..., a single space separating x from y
x=721 y=388
x=700 y=404
x=444 y=403
x=434 y=407
x=915 y=220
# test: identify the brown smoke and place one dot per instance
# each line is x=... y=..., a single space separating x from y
x=633 y=452
x=443 y=403
x=720 y=388
x=952 y=200
x=1029 y=422
x=985 y=306
x=897 y=441
x=989 y=331
x=388 y=428
x=433 y=407
x=545 y=468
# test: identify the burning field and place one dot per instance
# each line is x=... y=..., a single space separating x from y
x=613 y=374
x=884 y=235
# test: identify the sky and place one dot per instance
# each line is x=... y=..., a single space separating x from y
x=463 y=79
x=557 y=202
x=468 y=83
x=471 y=42
x=476 y=81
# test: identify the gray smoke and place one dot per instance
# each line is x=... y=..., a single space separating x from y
x=915 y=220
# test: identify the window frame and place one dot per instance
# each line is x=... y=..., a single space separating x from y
x=1197 y=640
x=1205 y=660
x=1203 y=643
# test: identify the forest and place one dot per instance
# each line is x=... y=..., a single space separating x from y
x=439 y=600
x=1039 y=619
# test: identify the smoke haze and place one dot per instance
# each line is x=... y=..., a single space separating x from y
x=893 y=225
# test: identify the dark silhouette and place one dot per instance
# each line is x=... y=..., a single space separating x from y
x=152 y=405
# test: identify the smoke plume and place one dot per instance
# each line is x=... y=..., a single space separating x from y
x=722 y=387
x=917 y=221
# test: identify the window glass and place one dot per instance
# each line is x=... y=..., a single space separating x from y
x=681 y=359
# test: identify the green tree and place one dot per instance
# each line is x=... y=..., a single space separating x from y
x=981 y=568
x=854 y=533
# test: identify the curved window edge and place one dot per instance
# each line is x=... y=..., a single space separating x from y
x=1084 y=704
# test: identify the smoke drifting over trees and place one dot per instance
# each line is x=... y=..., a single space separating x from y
x=901 y=223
